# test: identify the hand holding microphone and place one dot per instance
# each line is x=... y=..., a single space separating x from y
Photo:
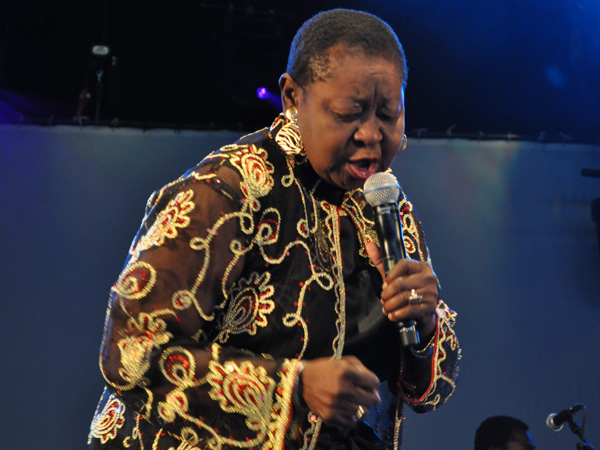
x=409 y=291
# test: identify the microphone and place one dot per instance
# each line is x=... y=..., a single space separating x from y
x=555 y=421
x=381 y=191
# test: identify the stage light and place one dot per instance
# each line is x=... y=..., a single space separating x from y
x=100 y=50
x=262 y=93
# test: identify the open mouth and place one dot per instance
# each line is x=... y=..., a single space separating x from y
x=363 y=168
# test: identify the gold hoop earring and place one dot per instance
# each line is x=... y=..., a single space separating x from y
x=403 y=143
x=288 y=137
x=291 y=114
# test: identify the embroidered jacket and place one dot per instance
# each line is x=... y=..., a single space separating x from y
x=242 y=267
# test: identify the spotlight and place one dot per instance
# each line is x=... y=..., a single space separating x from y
x=100 y=50
x=262 y=93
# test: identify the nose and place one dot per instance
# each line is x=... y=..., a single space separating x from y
x=369 y=132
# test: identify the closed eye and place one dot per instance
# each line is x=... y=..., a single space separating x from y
x=347 y=117
x=388 y=117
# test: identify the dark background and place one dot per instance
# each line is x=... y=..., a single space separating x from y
x=482 y=68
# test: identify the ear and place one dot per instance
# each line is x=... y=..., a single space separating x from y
x=289 y=91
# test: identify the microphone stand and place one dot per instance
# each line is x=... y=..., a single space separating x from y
x=578 y=431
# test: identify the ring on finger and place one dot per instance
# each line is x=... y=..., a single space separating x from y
x=360 y=412
x=414 y=298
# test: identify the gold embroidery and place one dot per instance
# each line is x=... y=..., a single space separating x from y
x=106 y=424
x=203 y=245
x=332 y=227
x=136 y=281
x=184 y=299
x=189 y=440
x=179 y=367
x=175 y=215
x=412 y=239
x=249 y=306
x=257 y=180
x=175 y=404
x=143 y=334
x=282 y=408
x=268 y=228
x=135 y=434
x=243 y=389
x=354 y=204
x=296 y=318
x=442 y=381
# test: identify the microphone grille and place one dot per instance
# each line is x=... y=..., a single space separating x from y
x=381 y=188
x=550 y=423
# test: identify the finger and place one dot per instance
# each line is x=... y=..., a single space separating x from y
x=365 y=392
x=407 y=275
x=406 y=296
x=362 y=384
x=366 y=398
x=345 y=413
x=411 y=300
x=358 y=373
x=364 y=379
x=405 y=267
x=375 y=256
x=424 y=313
x=397 y=279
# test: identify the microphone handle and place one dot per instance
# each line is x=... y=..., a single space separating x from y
x=391 y=238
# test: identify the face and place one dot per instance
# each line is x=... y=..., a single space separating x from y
x=520 y=440
x=352 y=124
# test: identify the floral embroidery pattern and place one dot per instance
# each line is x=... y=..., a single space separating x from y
x=410 y=230
x=174 y=216
x=257 y=174
x=175 y=404
x=143 y=334
x=136 y=281
x=106 y=424
x=179 y=367
x=249 y=306
x=244 y=389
